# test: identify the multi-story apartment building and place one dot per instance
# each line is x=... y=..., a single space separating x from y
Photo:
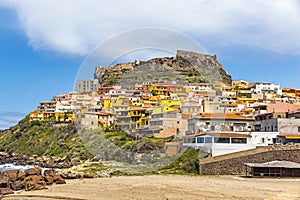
x=89 y=85
x=266 y=88
x=229 y=122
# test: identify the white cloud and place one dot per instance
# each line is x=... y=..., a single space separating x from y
x=76 y=26
x=9 y=119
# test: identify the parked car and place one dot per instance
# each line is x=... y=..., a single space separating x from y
x=290 y=143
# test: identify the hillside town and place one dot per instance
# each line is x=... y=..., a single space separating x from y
x=215 y=117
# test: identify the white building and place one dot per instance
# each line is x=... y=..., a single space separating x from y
x=220 y=143
x=229 y=142
x=228 y=122
x=264 y=138
x=200 y=87
x=121 y=92
x=266 y=88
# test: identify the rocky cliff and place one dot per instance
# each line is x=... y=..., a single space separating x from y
x=187 y=66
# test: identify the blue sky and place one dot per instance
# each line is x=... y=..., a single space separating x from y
x=43 y=43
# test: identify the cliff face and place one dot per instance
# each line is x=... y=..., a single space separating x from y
x=187 y=66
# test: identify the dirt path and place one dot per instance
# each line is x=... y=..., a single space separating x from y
x=173 y=187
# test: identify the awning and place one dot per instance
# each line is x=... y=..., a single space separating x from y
x=293 y=137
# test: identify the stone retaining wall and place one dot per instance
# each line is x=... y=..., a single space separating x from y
x=234 y=163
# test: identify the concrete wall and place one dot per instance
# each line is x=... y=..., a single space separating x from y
x=280 y=125
x=264 y=138
x=222 y=149
x=289 y=126
x=234 y=163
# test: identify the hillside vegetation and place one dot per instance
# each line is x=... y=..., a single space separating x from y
x=43 y=139
x=35 y=138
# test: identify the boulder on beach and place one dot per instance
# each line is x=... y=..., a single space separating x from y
x=48 y=180
x=34 y=182
x=33 y=171
x=6 y=191
x=31 y=179
x=15 y=175
x=51 y=176
x=4 y=181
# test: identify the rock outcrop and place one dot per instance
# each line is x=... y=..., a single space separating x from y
x=43 y=161
x=191 y=66
x=31 y=179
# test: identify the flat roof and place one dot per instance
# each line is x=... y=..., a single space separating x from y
x=275 y=164
x=223 y=135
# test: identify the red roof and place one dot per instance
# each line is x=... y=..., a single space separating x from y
x=222 y=134
x=282 y=107
x=222 y=116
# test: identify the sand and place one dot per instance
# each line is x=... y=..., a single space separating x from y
x=170 y=187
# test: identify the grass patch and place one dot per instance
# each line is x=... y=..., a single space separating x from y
x=187 y=163
x=43 y=139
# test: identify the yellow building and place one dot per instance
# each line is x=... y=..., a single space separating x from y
x=107 y=103
x=246 y=100
x=159 y=90
x=139 y=116
x=170 y=105
x=64 y=117
x=289 y=92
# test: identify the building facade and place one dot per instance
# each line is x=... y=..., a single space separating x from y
x=89 y=85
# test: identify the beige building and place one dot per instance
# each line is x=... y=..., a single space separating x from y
x=89 y=85
x=92 y=120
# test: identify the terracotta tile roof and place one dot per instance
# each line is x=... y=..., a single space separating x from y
x=229 y=105
x=227 y=135
x=100 y=113
x=222 y=134
x=282 y=107
x=222 y=116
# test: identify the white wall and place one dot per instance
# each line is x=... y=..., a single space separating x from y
x=222 y=149
x=263 y=138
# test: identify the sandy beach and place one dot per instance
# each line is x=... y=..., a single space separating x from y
x=169 y=187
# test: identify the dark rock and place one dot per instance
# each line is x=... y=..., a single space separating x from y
x=4 y=181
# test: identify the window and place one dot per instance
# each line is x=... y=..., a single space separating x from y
x=299 y=129
x=212 y=128
x=200 y=140
x=222 y=127
x=222 y=140
x=238 y=140
x=208 y=140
